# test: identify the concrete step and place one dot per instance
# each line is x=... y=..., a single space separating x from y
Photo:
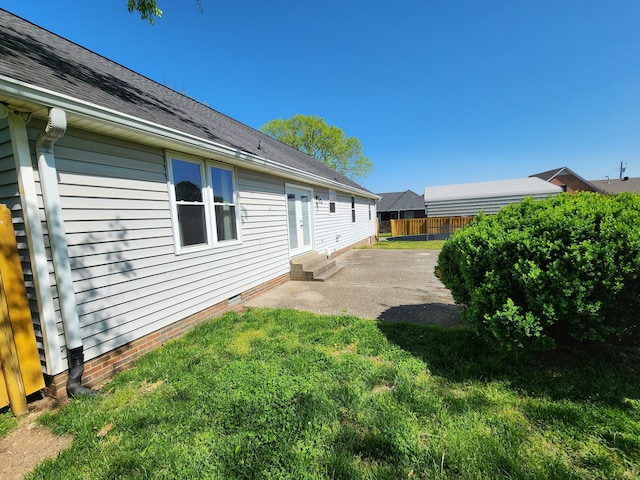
x=313 y=267
x=327 y=274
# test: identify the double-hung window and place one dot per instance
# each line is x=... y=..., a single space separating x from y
x=191 y=211
x=205 y=200
x=224 y=194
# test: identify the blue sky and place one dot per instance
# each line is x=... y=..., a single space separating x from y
x=437 y=91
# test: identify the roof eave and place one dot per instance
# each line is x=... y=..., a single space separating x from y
x=171 y=138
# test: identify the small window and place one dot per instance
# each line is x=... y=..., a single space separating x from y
x=224 y=203
x=332 y=201
x=369 y=212
x=353 y=209
x=190 y=206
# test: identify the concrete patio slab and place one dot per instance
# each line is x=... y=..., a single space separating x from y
x=390 y=285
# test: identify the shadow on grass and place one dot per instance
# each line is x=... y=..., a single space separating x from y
x=408 y=238
x=425 y=314
x=602 y=374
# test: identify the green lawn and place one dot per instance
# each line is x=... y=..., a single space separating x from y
x=407 y=245
x=288 y=394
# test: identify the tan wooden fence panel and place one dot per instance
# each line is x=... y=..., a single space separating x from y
x=18 y=349
x=432 y=226
x=446 y=226
x=411 y=226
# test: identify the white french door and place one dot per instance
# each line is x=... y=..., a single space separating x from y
x=299 y=220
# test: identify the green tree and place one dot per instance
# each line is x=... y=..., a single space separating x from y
x=149 y=10
x=311 y=134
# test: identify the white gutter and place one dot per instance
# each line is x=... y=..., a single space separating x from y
x=41 y=96
x=35 y=241
x=56 y=127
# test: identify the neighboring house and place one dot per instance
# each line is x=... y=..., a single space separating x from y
x=447 y=206
x=618 y=185
x=567 y=179
x=139 y=211
x=468 y=199
x=399 y=206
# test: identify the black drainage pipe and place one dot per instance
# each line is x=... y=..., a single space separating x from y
x=76 y=369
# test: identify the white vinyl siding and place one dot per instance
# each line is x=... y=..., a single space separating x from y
x=128 y=281
x=335 y=231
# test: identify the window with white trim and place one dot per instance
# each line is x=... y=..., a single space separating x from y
x=224 y=193
x=353 y=209
x=204 y=202
x=190 y=205
x=332 y=201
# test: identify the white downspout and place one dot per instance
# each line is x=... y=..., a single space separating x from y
x=54 y=130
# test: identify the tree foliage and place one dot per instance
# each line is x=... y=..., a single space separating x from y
x=555 y=271
x=148 y=9
x=311 y=134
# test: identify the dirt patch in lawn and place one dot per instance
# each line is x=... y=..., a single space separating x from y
x=29 y=444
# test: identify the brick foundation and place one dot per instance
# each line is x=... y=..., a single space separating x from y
x=367 y=241
x=100 y=369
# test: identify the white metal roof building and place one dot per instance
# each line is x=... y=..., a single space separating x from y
x=468 y=199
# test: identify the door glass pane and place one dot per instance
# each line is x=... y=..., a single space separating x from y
x=293 y=220
x=305 y=207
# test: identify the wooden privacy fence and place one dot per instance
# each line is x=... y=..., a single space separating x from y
x=21 y=373
x=412 y=226
x=444 y=227
x=438 y=227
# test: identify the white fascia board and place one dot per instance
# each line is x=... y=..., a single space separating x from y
x=27 y=92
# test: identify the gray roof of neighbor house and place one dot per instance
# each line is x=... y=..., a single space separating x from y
x=617 y=185
x=42 y=63
x=400 y=201
x=467 y=199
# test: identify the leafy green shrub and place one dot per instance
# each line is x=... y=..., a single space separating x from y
x=544 y=272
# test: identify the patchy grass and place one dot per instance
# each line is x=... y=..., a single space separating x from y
x=406 y=245
x=7 y=421
x=288 y=394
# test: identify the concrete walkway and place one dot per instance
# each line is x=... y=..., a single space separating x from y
x=391 y=285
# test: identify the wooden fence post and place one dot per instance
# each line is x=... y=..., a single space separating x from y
x=9 y=360
x=18 y=349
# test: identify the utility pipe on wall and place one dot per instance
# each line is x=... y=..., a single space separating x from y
x=54 y=130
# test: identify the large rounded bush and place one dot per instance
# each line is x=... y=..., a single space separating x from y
x=554 y=271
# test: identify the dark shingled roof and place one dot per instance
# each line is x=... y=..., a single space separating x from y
x=38 y=57
x=617 y=185
x=395 y=201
